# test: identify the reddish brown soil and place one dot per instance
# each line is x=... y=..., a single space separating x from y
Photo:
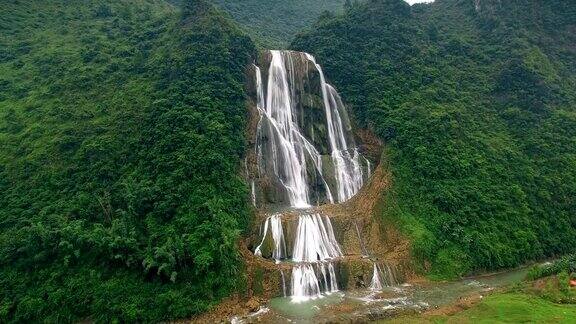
x=222 y=312
x=371 y=145
x=463 y=303
x=381 y=237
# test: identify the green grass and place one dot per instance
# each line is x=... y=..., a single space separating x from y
x=517 y=308
x=505 y=308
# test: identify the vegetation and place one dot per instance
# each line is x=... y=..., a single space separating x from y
x=121 y=133
x=566 y=264
x=548 y=299
x=477 y=103
x=556 y=289
x=273 y=23
x=512 y=307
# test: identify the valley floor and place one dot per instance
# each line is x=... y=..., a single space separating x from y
x=509 y=307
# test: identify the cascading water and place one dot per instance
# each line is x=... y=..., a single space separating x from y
x=315 y=240
x=274 y=223
x=306 y=155
x=283 y=283
x=286 y=144
x=285 y=153
x=382 y=277
x=376 y=284
x=368 y=168
x=315 y=246
x=253 y=192
x=346 y=164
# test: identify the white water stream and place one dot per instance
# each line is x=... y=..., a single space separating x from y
x=274 y=223
x=382 y=276
x=315 y=240
x=347 y=167
x=376 y=284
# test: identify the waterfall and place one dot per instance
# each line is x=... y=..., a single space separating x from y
x=315 y=246
x=389 y=274
x=315 y=240
x=287 y=145
x=253 y=192
x=259 y=90
x=347 y=167
x=310 y=280
x=305 y=284
x=291 y=156
x=306 y=163
x=274 y=222
x=376 y=284
x=382 y=277
x=283 y=282
x=368 y=168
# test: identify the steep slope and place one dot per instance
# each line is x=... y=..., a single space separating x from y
x=273 y=23
x=476 y=101
x=121 y=131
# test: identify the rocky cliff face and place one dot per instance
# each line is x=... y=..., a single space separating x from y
x=363 y=237
x=315 y=192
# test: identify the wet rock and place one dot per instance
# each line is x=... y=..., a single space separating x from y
x=252 y=305
x=387 y=295
x=360 y=282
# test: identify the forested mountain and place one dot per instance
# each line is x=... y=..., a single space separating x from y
x=273 y=23
x=123 y=124
x=121 y=131
x=476 y=100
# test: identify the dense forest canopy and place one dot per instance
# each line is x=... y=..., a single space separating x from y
x=121 y=131
x=273 y=23
x=476 y=100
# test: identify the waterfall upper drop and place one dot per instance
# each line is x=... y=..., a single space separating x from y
x=306 y=154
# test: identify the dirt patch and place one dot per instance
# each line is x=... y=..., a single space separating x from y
x=540 y=284
x=370 y=144
x=364 y=214
x=339 y=308
x=463 y=303
x=222 y=312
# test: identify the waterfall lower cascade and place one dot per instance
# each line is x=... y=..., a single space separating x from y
x=382 y=276
x=305 y=156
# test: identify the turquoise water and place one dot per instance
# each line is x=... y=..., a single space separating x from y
x=305 y=310
x=364 y=305
x=438 y=294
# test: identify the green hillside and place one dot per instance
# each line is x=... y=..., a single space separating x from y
x=121 y=131
x=273 y=23
x=476 y=101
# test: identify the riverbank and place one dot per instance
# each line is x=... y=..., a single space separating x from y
x=546 y=300
x=506 y=307
x=363 y=305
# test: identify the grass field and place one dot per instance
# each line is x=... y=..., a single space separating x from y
x=504 y=308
